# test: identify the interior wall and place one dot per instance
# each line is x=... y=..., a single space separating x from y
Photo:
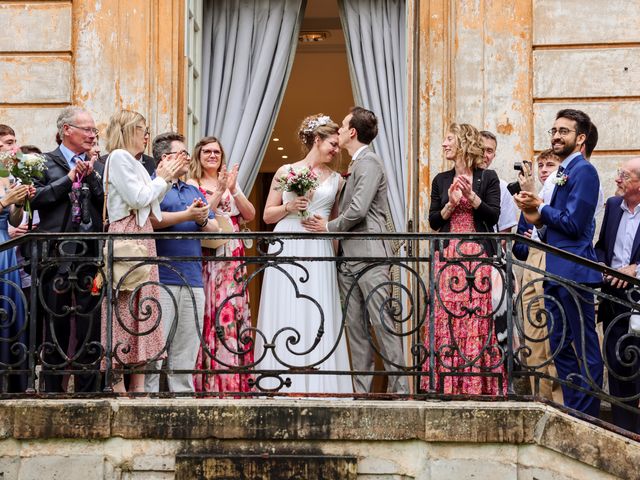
x=319 y=83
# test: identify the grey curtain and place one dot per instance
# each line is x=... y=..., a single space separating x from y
x=375 y=31
x=248 y=49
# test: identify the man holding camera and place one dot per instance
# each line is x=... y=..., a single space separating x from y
x=567 y=222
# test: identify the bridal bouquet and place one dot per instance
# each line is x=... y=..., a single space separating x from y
x=301 y=182
x=24 y=167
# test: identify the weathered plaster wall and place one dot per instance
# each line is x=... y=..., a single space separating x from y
x=100 y=54
x=509 y=66
x=474 y=68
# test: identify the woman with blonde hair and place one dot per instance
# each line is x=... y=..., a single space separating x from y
x=131 y=196
x=293 y=331
x=464 y=199
x=226 y=297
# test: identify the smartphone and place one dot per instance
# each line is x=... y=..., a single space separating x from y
x=514 y=187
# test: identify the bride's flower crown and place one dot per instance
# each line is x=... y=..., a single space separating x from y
x=318 y=122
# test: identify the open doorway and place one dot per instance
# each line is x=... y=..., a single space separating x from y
x=319 y=82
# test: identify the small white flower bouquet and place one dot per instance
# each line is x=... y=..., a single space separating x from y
x=24 y=167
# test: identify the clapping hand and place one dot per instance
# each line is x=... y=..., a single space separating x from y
x=198 y=211
x=232 y=178
x=223 y=179
x=465 y=187
x=169 y=169
x=83 y=168
x=527 y=201
x=455 y=194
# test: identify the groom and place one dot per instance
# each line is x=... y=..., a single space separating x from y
x=366 y=288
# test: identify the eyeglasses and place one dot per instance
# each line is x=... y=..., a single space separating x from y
x=146 y=129
x=563 y=132
x=624 y=175
x=207 y=153
x=181 y=152
x=86 y=130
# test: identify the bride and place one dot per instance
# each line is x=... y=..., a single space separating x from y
x=294 y=330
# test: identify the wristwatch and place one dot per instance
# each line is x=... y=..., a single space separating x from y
x=204 y=224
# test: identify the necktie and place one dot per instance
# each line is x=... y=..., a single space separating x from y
x=560 y=171
x=73 y=161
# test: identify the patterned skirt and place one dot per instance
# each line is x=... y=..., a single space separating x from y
x=137 y=334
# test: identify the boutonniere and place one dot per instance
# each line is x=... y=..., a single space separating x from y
x=346 y=175
x=560 y=180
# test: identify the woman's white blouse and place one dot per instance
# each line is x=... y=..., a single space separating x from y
x=131 y=188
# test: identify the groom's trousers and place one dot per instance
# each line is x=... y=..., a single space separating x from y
x=368 y=290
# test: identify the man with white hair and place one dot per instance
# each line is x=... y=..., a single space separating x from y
x=618 y=247
x=65 y=293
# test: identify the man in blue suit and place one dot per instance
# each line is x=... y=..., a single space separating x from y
x=618 y=247
x=567 y=223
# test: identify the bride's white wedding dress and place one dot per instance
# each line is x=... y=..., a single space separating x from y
x=293 y=322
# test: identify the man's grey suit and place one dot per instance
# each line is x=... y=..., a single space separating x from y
x=362 y=208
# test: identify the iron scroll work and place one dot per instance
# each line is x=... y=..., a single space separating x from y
x=443 y=286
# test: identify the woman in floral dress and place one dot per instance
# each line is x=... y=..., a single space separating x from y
x=464 y=199
x=226 y=296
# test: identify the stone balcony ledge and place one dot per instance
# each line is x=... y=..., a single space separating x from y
x=300 y=421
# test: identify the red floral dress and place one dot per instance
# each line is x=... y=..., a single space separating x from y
x=223 y=293
x=465 y=340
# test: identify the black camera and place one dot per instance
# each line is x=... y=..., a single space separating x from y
x=518 y=166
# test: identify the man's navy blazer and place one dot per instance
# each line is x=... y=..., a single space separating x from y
x=569 y=218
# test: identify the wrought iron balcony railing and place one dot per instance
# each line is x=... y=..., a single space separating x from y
x=466 y=324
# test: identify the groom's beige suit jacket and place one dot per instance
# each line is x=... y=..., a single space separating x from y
x=363 y=206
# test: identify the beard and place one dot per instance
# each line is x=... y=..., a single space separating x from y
x=563 y=149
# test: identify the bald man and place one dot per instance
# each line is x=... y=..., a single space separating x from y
x=618 y=247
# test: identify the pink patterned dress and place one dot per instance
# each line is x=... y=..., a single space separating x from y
x=224 y=293
x=465 y=340
x=137 y=333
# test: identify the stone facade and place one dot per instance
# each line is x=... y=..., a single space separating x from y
x=509 y=66
x=145 y=439
x=504 y=65
x=102 y=55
